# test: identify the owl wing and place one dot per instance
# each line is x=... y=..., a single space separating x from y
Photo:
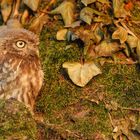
x=8 y=75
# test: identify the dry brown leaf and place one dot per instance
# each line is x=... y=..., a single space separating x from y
x=25 y=16
x=38 y=23
x=61 y=34
x=120 y=34
x=81 y=74
x=107 y=48
x=33 y=4
x=86 y=2
x=67 y=10
x=6 y=9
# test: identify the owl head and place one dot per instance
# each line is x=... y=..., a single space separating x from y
x=19 y=42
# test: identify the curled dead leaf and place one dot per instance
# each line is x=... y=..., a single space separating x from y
x=67 y=10
x=138 y=51
x=120 y=34
x=81 y=74
x=86 y=15
x=61 y=34
x=38 y=23
x=33 y=4
x=119 y=10
x=25 y=16
x=6 y=9
x=132 y=41
x=86 y=2
x=107 y=48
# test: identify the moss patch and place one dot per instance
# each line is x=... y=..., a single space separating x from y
x=61 y=101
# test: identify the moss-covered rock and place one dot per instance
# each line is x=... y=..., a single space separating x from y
x=16 y=122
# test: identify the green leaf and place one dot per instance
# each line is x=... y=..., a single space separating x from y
x=67 y=10
x=33 y=4
x=120 y=34
x=81 y=74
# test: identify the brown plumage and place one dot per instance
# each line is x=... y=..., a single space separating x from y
x=21 y=75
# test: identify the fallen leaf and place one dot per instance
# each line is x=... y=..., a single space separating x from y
x=132 y=41
x=98 y=34
x=25 y=16
x=81 y=74
x=138 y=51
x=71 y=36
x=38 y=23
x=75 y=24
x=15 y=12
x=81 y=114
x=104 y=1
x=123 y=129
x=61 y=34
x=6 y=9
x=33 y=4
x=119 y=10
x=86 y=14
x=107 y=48
x=66 y=9
x=86 y=2
x=137 y=128
x=120 y=34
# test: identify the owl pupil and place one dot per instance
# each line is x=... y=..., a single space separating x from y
x=20 y=43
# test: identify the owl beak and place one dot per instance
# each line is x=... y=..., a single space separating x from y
x=34 y=52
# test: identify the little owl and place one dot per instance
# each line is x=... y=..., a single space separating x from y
x=21 y=75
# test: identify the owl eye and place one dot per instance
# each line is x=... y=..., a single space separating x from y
x=20 y=44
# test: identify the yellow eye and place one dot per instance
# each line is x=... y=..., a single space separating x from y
x=20 y=44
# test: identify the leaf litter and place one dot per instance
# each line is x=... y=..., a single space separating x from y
x=105 y=28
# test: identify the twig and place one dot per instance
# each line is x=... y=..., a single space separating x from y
x=47 y=7
x=128 y=30
x=133 y=109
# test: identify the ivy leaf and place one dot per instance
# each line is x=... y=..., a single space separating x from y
x=81 y=74
x=61 y=34
x=66 y=9
x=132 y=41
x=86 y=14
x=106 y=48
x=38 y=23
x=33 y=4
x=120 y=34
x=6 y=8
x=98 y=34
x=86 y=2
x=119 y=10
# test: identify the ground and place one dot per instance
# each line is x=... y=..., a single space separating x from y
x=106 y=108
x=91 y=112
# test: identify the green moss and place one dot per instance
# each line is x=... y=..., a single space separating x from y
x=60 y=99
x=16 y=122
